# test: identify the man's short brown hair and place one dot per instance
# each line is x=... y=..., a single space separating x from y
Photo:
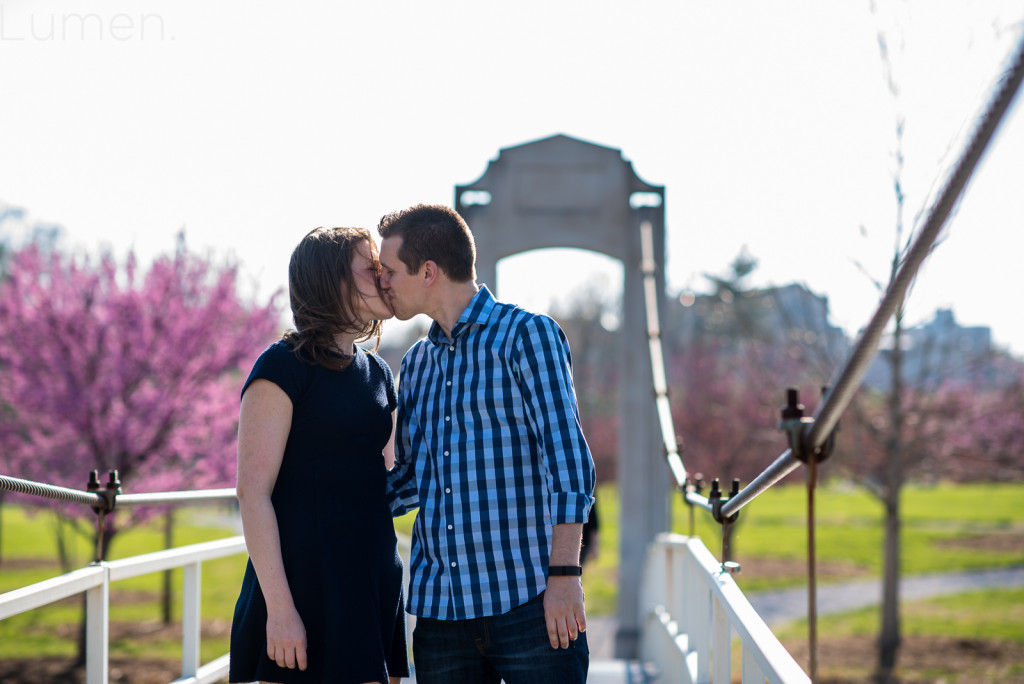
x=433 y=232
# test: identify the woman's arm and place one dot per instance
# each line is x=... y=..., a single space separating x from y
x=263 y=425
x=389 y=448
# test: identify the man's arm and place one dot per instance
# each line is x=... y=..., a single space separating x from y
x=546 y=380
x=563 y=599
x=544 y=368
x=402 y=487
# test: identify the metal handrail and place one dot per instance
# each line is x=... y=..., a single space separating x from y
x=197 y=496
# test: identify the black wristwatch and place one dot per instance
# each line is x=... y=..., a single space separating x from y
x=565 y=570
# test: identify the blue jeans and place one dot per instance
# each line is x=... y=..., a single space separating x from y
x=512 y=647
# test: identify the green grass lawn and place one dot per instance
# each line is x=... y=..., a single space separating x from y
x=971 y=637
x=992 y=613
x=936 y=521
x=30 y=555
x=770 y=543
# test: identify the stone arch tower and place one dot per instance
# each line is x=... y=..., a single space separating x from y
x=564 y=192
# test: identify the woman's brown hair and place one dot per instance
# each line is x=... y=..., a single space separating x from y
x=323 y=294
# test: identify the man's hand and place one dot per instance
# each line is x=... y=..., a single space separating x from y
x=286 y=639
x=563 y=610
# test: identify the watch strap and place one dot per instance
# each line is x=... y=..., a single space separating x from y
x=565 y=570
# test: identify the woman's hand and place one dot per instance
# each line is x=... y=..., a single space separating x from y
x=286 y=639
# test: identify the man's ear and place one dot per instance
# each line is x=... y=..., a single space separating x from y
x=430 y=272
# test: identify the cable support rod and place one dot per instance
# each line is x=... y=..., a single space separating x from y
x=226 y=494
x=849 y=377
x=668 y=438
x=780 y=468
x=812 y=570
x=14 y=484
x=699 y=501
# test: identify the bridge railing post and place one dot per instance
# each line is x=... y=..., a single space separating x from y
x=191 y=618
x=680 y=576
x=721 y=644
x=652 y=588
x=699 y=622
x=97 y=630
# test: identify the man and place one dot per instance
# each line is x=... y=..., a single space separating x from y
x=488 y=444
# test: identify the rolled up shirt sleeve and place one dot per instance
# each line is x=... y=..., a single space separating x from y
x=544 y=366
x=401 y=489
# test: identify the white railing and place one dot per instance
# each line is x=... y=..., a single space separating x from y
x=94 y=581
x=692 y=608
x=692 y=611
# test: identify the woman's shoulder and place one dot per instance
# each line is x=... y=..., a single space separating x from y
x=375 y=360
x=279 y=364
x=384 y=376
x=279 y=352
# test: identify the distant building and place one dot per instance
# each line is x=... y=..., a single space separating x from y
x=786 y=315
x=939 y=351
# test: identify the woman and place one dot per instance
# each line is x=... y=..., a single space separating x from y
x=321 y=600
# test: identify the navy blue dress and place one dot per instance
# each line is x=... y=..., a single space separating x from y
x=337 y=537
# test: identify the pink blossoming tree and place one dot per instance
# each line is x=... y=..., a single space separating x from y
x=106 y=366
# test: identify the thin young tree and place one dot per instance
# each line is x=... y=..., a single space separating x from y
x=914 y=424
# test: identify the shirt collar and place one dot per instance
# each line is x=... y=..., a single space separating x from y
x=479 y=311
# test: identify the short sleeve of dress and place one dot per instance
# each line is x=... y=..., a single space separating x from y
x=389 y=381
x=279 y=365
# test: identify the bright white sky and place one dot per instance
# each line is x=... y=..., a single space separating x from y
x=769 y=123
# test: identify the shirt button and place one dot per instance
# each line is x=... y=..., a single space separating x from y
x=447 y=418
x=447 y=490
x=449 y=383
x=453 y=564
x=451 y=348
x=451 y=527
x=446 y=453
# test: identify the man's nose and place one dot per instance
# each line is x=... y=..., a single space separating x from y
x=384 y=281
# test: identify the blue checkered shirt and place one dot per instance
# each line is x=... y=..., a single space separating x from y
x=489 y=446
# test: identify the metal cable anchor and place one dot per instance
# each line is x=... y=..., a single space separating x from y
x=797 y=427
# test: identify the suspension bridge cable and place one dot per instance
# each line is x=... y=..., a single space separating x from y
x=55 y=492
x=13 y=484
x=104 y=498
x=849 y=377
x=668 y=433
